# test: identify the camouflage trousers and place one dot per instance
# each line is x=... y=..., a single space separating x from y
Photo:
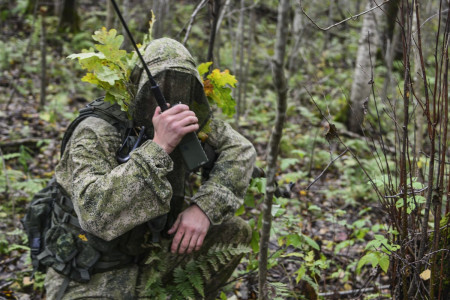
x=129 y=282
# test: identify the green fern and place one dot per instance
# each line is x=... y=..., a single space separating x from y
x=195 y=277
x=187 y=281
x=279 y=290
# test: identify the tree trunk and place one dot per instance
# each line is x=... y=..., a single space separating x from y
x=43 y=46
x=223 y=10
x=215 y=9
x=240 y=46
x=160 y=13
x=69 y=19
x=361 y=87
x=419 y=119
x=251 y=33
x=280 y=84
x=297 y=33
x=109 y=15
x=126 y=15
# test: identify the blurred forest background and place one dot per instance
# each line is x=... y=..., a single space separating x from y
x=360 y=89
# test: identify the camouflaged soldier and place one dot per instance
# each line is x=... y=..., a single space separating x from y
x=116 y=205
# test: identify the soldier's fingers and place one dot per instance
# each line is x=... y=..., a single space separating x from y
x=184 y=243
x=200 y=240
x=176 y=109
x=193 y=243
x=187 y=121
x=175 y=225
x=176 y=241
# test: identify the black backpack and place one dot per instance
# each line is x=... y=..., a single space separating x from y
x=38 y=218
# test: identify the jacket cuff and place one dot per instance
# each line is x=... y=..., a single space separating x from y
x=154 y=155
x=217 y=202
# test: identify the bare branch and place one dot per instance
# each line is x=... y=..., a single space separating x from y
x=192 y=19
x=343 y=21
x=326 y=168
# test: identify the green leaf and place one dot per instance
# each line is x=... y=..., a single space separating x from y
x=294 y=240
x=300 y=273
x=106 y=37
x=374 y=244
x=249 y=200
x=384 y=262
x=82 y=56
x=113 y=54
x=217 y=89
x=255 y=241
x=240 y=211
x=107 y=75
x=287 y=162
x=342 y=245
x=420 y=199
x=311 y=242
x=204 y=68
x=314 y=208
x=370 y=257
x=300 y=153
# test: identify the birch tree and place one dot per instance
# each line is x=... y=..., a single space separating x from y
x=365 y=58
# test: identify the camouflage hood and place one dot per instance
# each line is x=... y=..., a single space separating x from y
x=174 y=69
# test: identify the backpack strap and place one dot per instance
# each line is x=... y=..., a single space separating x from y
x=111 y=113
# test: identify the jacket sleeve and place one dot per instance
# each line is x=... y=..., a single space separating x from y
x=222 y=194
x=111 y=199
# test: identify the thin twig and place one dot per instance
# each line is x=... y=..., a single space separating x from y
x=352 y=292
x=374 y=186
x=326 y=168
x=409 y=193
x=343 y=21
x=431 y=17
x=192 y=19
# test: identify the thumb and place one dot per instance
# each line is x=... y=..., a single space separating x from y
x=174 y=227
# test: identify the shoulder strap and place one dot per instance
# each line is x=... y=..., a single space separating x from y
x=111 y=113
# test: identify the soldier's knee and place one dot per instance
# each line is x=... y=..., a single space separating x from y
x=241 y=231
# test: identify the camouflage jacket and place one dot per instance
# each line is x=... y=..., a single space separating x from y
x=111 y=199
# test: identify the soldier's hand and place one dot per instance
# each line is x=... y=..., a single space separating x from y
x=172 y=125
x=191 y=228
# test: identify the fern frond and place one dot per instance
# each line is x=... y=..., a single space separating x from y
x=221 y=258
x=203 y=266
x=185 y=289
x=188 y=281
x=195 y=277
x=179 y=275
x=214 y=263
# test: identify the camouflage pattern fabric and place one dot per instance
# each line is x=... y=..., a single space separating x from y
x=129 y=282
x=112 y=200
x=174 y=70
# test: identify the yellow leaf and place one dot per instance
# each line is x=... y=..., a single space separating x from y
x=425 y=275
x=202 y=136
x=82 y=237
x=204 y=68
x=208 y=88
x=222 y=78
x=302 y=193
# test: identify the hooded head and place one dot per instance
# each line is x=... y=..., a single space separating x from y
x=174 y=69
